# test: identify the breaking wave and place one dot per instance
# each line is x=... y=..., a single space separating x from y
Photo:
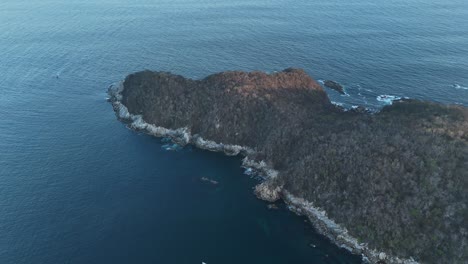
x=460 y=87
x=388 y=99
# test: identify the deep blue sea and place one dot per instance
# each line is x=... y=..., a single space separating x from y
x=77 y=186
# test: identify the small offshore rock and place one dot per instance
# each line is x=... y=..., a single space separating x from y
x=266 y=191
x=272 y=207
x=334 y=85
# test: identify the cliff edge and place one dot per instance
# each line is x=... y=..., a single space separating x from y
x=394 y=181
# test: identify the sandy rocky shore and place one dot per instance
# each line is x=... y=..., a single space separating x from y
x=265 y=190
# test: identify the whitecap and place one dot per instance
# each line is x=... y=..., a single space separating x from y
x=458 y=86
x=337 y=103
x=388 y=99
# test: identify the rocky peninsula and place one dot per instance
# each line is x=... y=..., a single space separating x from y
x=391 y=185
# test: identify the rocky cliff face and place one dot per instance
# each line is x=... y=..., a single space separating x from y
x=395 y=181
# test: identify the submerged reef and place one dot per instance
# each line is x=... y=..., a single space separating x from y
x=389 y=185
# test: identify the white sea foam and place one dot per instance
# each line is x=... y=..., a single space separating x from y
x=360 y=88
x=337 y=103
x=172 y=147
x=387 y=99
x=249 y=171
x=459 y=87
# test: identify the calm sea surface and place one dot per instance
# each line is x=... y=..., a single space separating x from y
x=76 y=186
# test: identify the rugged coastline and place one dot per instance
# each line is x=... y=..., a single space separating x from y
x=282 y=93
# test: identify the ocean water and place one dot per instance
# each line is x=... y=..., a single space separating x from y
x=77 y=186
